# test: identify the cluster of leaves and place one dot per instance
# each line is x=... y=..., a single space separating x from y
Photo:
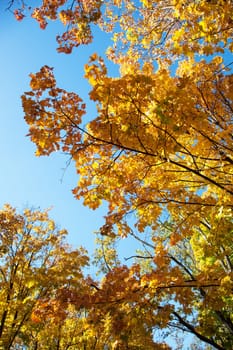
x=153 y=29
x=76 y=15
x=160 y=152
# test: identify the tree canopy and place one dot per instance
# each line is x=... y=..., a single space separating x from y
x=36 y=264
x=159 y=153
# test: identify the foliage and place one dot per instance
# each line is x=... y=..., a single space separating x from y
x=45 y=301
x=35 y=264
x=141 y=27
x=159 y=152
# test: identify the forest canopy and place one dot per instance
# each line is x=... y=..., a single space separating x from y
x=159 y=153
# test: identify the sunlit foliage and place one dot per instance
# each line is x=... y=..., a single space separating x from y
x=159 y=153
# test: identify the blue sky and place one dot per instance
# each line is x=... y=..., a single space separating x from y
x=26 y=180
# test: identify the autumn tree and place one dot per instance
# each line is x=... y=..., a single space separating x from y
x=159 y=152
x=35 y=264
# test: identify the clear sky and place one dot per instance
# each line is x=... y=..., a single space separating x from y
x=26 y=180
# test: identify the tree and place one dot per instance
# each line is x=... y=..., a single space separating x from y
x=159 y=150
x=35 y=264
